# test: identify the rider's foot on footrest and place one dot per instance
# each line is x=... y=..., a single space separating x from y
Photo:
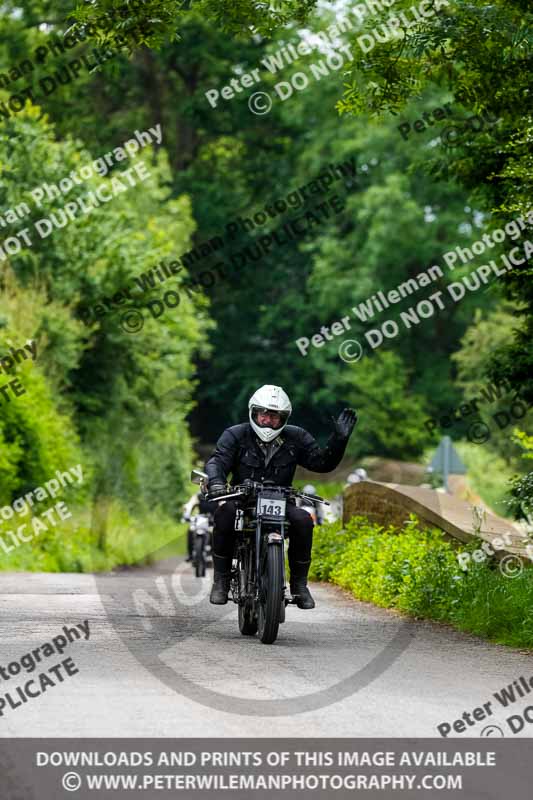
x=301 y=594
x=220 y=589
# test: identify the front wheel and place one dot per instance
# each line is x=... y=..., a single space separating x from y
x=269 y=606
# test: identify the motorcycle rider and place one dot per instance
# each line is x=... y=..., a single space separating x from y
x=197 y=504
x=256 y=450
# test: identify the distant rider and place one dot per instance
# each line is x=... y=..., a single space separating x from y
x=256 y=450
x=197 y=504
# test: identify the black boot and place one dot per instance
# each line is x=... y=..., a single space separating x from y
x=221 y=580
x=298 y=583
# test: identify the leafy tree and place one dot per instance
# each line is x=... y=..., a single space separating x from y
x=130 y=400
x=36 y=437
x=164 y=19
x=102 y=376
x=482 y=54
x=488 y=335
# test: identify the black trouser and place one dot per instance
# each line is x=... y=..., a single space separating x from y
x=300 y=538
x=190 y=542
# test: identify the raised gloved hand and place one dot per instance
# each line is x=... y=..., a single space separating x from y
x=217 y=490
x=344 y=425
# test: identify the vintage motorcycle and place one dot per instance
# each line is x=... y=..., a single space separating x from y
x=258 y=581
x=201 y=527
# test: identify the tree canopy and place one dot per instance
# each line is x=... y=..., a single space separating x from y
x=320 y=209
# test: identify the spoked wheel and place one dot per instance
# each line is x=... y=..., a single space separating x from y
x=269 y=605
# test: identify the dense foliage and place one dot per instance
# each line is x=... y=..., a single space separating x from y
x=416 y=571
x=521 y=500
x=130 y=405
x=482 y=53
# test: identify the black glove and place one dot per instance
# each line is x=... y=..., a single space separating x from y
x=344 y=425
x=217 y=489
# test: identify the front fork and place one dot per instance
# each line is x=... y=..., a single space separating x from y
x=274 y=539
x=277 y=540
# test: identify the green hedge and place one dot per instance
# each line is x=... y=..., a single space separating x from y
x=73 y=545
x=415 y=571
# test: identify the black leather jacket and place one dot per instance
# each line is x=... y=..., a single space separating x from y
x=238 y=452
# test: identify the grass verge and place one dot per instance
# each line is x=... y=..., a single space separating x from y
x=416 y=571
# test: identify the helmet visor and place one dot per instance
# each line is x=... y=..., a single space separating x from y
x=268 y=418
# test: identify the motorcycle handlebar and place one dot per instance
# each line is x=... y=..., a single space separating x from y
x=314 y=497
x=245 y=489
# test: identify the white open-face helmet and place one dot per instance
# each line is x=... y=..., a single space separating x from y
x=273 y=399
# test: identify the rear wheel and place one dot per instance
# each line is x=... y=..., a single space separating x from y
x=269 y=606
x=247 y=616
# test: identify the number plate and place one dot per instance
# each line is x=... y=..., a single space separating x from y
x=271 y=507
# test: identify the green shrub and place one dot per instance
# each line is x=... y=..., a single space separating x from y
x=72 y=546
x=416 y=571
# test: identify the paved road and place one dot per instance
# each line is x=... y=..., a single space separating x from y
x=161 y=661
